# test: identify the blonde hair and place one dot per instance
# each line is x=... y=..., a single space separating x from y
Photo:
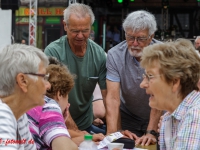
x=177 y=60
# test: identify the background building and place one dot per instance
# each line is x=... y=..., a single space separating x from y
x=175 y=18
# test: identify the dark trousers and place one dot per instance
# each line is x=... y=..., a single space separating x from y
x=94 y=129
x=134 y=124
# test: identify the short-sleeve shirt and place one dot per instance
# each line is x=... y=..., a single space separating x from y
x=46 y=123
x=14 y=134
x=89 y=69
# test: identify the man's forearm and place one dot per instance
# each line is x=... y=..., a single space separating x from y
x=154 y=119
x=104 y=93
x=113 y=117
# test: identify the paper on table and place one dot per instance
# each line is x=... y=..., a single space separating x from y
x=108 y=139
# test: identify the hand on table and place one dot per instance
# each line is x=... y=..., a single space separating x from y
x=129 y=134
x=146 y=140
x=98 y=137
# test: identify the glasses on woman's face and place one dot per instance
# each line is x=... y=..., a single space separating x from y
x=138 y=39
x=149 y=77
x=45 y=76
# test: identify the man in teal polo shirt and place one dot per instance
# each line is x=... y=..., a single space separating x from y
x=84 y=58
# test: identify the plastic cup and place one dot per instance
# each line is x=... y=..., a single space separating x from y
x=115 y=146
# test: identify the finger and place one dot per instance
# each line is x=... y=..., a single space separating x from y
x=148 y=141
x=84 y=132
x=138 y=141
x=101 y=122
x=68 y=105
x=98 y=137
x=135 y=136
x=144 y=140
x=97 y=143
x=128 y=133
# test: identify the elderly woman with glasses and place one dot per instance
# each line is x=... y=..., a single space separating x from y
x=23 y=86
x=172 y=71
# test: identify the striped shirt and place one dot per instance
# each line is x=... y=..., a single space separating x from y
x=14 y=134
x=46 y=123
x=181 y=129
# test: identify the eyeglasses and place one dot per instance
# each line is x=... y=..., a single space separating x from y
x=45 y=76
x=149 y=77
x=138 y=39
x=76 y=32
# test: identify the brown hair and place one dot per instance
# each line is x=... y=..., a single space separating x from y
x=60 y=79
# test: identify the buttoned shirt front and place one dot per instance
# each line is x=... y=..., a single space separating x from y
x=181 y=129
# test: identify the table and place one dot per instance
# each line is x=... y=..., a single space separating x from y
x=150 y=147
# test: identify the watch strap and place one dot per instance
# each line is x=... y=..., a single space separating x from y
x=153 y=132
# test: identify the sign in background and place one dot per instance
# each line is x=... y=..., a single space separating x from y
x=42 y=11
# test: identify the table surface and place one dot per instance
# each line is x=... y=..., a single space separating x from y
x=150 y=147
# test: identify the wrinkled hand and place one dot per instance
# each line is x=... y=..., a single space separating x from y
x=98 y=137
x=66 y=112
x=129 y=134
x=146 y=140
x=98 y=122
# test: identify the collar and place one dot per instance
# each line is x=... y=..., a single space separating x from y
x=191 y=100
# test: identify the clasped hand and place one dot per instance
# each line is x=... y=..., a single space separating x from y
x=145 y=140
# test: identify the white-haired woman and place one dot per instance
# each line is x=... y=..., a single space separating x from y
x=23 y=85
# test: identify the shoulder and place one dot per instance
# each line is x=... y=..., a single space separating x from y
x=96 y=49
x=56 y=45
x=194 y=112
x=51 y=106
x=6 y=114
x=94 y=46
x=119 y=49
x=154 y=41
x=8 y=123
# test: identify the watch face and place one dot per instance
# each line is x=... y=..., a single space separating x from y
x=153 y=132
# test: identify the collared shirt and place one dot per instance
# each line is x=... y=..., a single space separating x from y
x=181 y=129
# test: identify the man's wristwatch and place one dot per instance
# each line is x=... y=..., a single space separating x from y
x=153 y=132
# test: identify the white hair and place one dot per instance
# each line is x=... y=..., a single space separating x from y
x=198 y=37
x=80 y=10
x=18 y=58
x=140 y=20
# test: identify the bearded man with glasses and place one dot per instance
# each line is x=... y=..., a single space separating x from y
x=127 y=105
